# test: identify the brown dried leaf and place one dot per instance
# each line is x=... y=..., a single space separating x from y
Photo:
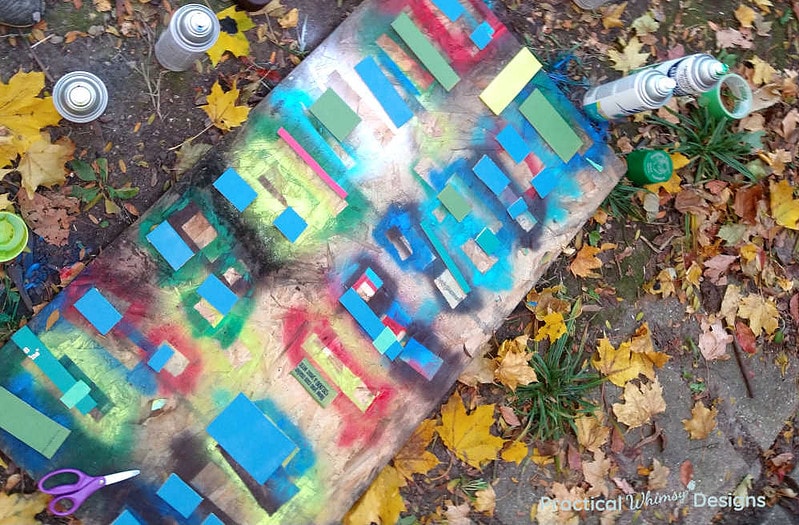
x=485 y=501
x=514 y=370
x=716 y=268
x=726 y=38
x=630 y=58
x=745 y=15
x=413 y=457
x=50 y=215
x=591 y=433
x=713 y=340
x=745 y=337
x=702 y=422
x=595 y=472
x=658 y=476
x=611 y=15
x=641 y=402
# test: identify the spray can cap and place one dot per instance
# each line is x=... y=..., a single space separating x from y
x=80 y=96
x=197 y=26
x=718 y=70
x=665 y=85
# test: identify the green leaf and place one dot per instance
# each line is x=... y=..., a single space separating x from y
x=102 y=165
x=92 y=202
x=83 y=170
x=111 y=207
x=126 y=193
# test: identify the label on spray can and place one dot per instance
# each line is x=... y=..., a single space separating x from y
x=694 y=74
x=192 y=31
x=616 y=99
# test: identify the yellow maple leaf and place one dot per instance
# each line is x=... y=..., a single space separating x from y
x=702 y=422
x=222 y=108
x=413 y=457
x=485 y=501
x=381 y=503
x=784 y=208
x=43 y=163
x=611 y=15
x=585 y=262
x=764 y=72
x=623 y=364
x=591 y=433
x=543 y=302
x=23 y=114
x=290 y=19
x=761 y=312
x=514 y=369
x=468 y=435
x=237 y=22
x=5 y=204
x=764 y=5
x=554 y=327
x=745 y=15
x=640 y=404
x=514 y=451
x=21 y=508
x=630 y=58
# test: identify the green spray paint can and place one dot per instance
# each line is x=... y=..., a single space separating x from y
x=649 y=166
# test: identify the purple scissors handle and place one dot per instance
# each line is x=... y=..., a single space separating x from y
x=70 y=496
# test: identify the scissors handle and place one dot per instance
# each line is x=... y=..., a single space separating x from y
x=70 y=496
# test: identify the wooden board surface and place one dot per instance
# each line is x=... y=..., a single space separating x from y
x=271 y=334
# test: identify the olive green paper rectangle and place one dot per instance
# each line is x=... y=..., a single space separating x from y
x=425 y=51
x=29 y=425
x=552 y=127
x=335 y=114
x=310 y=378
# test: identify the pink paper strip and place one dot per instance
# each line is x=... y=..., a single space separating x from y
x=311 y=162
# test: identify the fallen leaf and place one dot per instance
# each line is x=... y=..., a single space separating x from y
x=544 y=302
x=554 y=327
x=784 y=208
x=290 y=19
x=764 y=5
x=761 y=312
x=510 y=417
x=43 y=163
x=514 y=451
x=641 y=402
x=658 y=476
x=729 y=304
x=794 y=308
x=413 y=457
x=702 y=422
x=468 y=435
x=727 y=38
x=479 y=370
x=585 y=262
x=745 y=15
x=188 y=155
x=745 y=337
x=630 y=58
x=763 y=73
x=381 y=503
x=713 y=341
x=663 y=284
x=514 y=369
x=686 y=472
x=23 y=114
x=591 y=433
x=716 y=268
x=51 y=319
x=21 y=508
x=5 y=202
x=611 y=15
x=102 y=5
x=457 y=514
x=632 y=358
x=623 y=485
x=762 y=26
x=556 y=514
x=645 y=24
x=50 y=215
x=222 y=109
x=274 y=9
x=485 y=501
x=746 y=203
x=595 y=472
x=231 y=36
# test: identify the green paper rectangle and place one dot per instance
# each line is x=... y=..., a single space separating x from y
x=424 y=50
x=29 y=425
x=75 y=394
x=454 y=202
x=552 y=127
x=310 y=378
x=335 y=114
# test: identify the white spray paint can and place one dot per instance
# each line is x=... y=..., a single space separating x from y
x=694 y=74
x=642 y=91
x=192 y=31
x=80 y=96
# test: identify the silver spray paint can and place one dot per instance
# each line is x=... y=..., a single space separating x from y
x=192 y=31
x=694 y=74
x=642 y=91
x=80 y=96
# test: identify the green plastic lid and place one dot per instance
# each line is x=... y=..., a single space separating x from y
x=13 y=236
x=649 y=166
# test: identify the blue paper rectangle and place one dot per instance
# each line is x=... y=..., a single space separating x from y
x=488 y=241
x=421 y=359
x=380 y=86
x=491 y=175
x=166 y=240
x=126 y=518
x=251 y=438
x=452 y=9
x=98 y=311
x=179 y=495
x=513 y=143
x=517 y=208
x=545 y=182
x=482 y=35
x=160 y=357
x=41 y=356
x=75 y=394
x=215 y=292
x=290 y=224
x=212 y=520
x=235 y=189
x=364 y=315
x=372 y=276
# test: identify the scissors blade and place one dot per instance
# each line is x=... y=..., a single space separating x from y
x=120 y=476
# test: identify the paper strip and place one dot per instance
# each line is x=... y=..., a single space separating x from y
x=311 y=162
x=425 y=51
x=510 y=81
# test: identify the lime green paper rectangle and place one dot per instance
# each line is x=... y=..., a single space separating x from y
x=552 y=127
x=350 y=384
x=310 y=378
x=29 y=425
x=510 y=81
x=424 y=50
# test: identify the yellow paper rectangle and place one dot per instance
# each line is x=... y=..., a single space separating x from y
x=510 y=81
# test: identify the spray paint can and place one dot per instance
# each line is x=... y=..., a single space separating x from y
x=192 y=30
x=589 y=4
x=694 y=74
x=80 y=96
x=642 y=91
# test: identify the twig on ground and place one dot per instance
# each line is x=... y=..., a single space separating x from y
x=173 y=148
x=38 y=61
x=741 y=367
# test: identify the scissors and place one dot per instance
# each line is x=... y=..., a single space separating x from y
x=70 y=496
